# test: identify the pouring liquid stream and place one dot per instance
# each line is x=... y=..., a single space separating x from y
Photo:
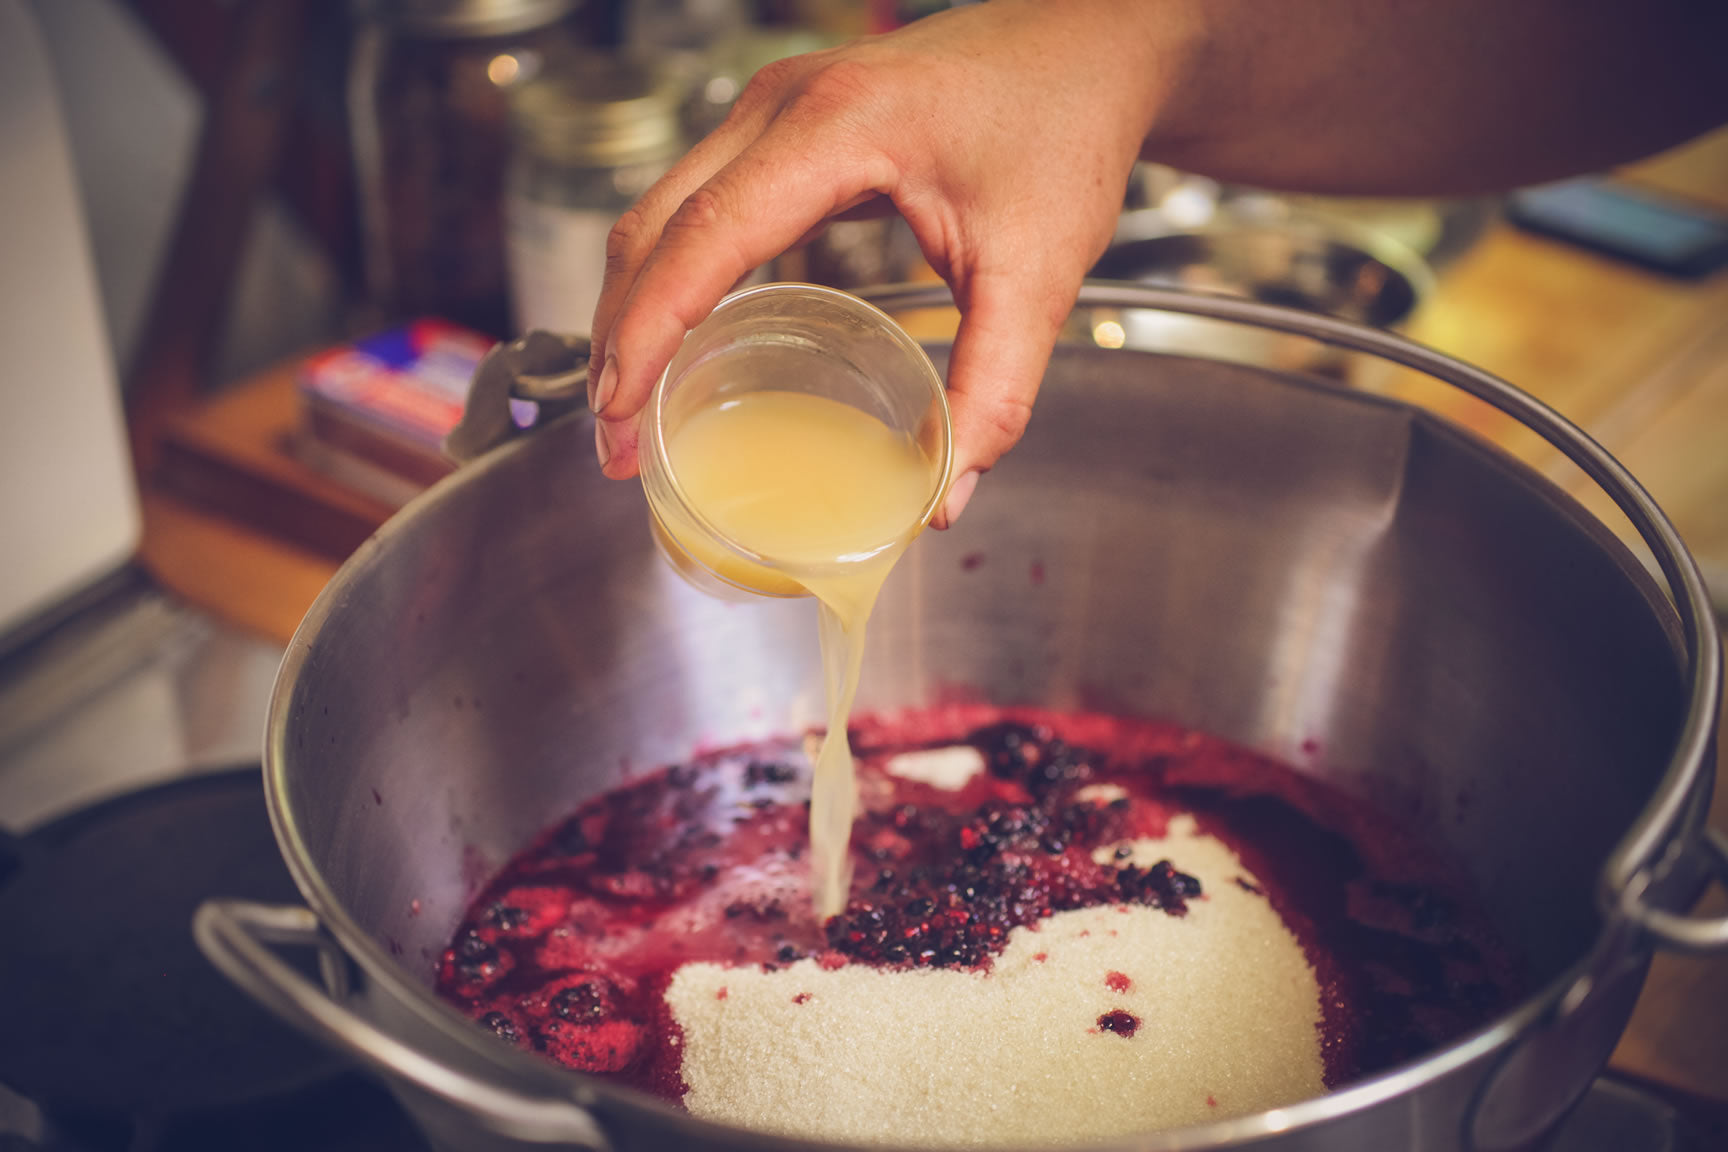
x=833 y=495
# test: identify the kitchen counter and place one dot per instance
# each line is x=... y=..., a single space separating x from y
x=1639 y=361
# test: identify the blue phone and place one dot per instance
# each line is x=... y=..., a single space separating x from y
x=1654 y=231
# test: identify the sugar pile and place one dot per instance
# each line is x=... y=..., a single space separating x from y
x=1100 y=1022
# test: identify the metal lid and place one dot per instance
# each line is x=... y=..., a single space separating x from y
x=599 y=111
x=469 y=17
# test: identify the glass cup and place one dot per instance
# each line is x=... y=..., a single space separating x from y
x=797 y=338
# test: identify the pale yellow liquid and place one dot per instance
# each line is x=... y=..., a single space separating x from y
x=832 y=494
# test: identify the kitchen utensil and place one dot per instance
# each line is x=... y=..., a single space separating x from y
x=1347 y=583
x=795 y=338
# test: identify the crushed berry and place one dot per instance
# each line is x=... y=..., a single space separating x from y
x=562 y=952
x=1159 y=886
x=524 y=912
x=1123 y=1024
x=472 y=952
x=571 y=839
x=965 y=879
x=588 y=1001
x=473 y=964
x=759 y=772
x=608 y=1047
x=504 y=1027
x=761 y=913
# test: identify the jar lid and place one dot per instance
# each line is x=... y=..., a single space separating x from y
x=599 y=111
x=470 y=17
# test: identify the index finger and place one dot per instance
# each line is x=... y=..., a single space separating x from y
x=794 y=176
x=635 y=233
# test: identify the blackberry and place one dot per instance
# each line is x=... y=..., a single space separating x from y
x=503 y=1027
x=1123 y=1024
x=587 y=1002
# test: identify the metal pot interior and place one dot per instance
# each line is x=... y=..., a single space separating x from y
x=1345 y=583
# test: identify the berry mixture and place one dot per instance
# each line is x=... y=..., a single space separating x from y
x=571 y=949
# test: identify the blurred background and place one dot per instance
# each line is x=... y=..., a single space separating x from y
x=266 y=187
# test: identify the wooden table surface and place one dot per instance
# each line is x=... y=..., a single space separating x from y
x=1639 y=361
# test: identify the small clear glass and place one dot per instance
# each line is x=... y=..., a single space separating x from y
x=788 y=337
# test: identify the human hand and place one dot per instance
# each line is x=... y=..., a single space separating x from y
x=1004 y=133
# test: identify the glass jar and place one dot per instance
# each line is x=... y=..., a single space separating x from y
x=429 y=90
x=800 y=338
x=589 y=137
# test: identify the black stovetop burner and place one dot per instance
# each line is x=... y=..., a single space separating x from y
x=118 y=1031
x=347 y=1112
x=120 y=1036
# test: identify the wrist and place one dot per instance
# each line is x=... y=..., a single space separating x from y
x=1185 y=87
x=1132 y=61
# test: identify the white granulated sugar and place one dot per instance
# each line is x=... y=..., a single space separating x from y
x=1226 y=1001
x=947 y=768
x=1101 y=794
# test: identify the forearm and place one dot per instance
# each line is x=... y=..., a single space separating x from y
x=1005 y=133
x=1434 y=96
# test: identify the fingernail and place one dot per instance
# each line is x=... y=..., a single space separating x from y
x=958 y=495
x=601 y=395
x=601 y=448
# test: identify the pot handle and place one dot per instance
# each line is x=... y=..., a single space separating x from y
x=547 y=369
x=1676 y=930
x=240 y=937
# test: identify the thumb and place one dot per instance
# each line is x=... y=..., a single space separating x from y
x=1007 y=330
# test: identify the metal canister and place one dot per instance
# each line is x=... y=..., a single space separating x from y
x=588 y=139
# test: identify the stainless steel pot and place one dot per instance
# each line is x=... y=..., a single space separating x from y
x=1275 y=560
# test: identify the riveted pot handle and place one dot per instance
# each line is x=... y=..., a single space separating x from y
x=240 y=938
x=1676 y=930
x=547 y=369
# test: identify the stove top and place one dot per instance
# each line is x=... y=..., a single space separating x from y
x=347 y=1113
x=119 y=1034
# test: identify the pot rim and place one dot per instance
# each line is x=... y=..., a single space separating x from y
x=1638 y=849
